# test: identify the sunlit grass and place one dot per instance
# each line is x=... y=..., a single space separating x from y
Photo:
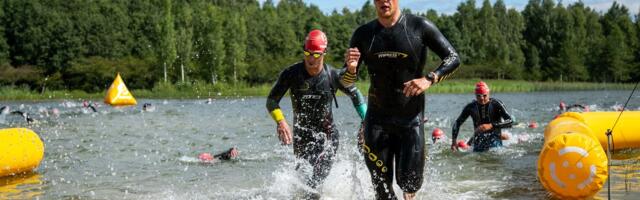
x=205 y=90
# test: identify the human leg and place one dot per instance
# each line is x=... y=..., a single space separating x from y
x=378 y=158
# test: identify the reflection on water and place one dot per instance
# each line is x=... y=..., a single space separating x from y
x=125 y=153
x=22 y=186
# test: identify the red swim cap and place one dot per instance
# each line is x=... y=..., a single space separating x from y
x=462 y=144
x=205 y=157
x=533 y=124
x=482 y=88
x=437 y=133
x=316 y=41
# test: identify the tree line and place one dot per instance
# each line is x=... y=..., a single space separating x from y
x=79 y=44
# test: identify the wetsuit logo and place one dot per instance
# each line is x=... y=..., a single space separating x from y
x=391 y=55
x=373 y=158
x=311 y=96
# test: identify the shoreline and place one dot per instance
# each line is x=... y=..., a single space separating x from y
x=204 y=91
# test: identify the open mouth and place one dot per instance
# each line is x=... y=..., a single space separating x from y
x=385 y=8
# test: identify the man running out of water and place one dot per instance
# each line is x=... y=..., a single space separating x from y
x=489 y=117
x=312 y=85
x=394 y=49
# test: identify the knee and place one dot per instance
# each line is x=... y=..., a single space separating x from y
x=410 y=182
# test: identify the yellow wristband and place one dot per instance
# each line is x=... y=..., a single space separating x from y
x=277 y=115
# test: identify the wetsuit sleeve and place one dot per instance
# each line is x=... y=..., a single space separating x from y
x=507 y=119
x=224 y=155
x=277 y=92
x=441 y=46
x=356 y=96
x=456 y=124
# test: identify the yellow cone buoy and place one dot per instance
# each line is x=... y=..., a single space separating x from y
x=21 y=150
x=118 y=94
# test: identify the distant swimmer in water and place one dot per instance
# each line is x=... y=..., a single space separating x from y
x=489 y=116
x=148 y=107
x=232 y=153
x=575 y=107
x=4 y=110
x=86 y=104
x=209 y=101
x=24 y=115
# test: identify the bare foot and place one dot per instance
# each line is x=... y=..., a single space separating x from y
x=409 y=196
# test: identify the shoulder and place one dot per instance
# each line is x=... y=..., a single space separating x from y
x=471 y=105
x=365 y=29
x=292 y=70
x=419 y=22
x=497 y=102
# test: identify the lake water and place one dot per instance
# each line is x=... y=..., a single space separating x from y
x=124 y=153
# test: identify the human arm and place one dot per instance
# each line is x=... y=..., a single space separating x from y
x=507 y=120
x=455 y=128
x=273 y=100
x=352 y=91
x=227 y=155
x=434 y=39
x=352 y=61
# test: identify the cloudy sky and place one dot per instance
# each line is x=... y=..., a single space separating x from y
x=449 y=6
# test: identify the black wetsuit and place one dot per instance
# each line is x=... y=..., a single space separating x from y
x=393 y=125
x=494 y=113
x=315 y=136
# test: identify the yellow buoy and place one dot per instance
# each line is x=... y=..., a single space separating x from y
x=572 y=166
x=118 y=94
x=573 y=162
x=21 y=150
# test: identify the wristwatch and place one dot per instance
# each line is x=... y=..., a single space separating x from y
x=432 y=77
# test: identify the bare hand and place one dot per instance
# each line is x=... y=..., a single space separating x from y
x=454 y=146
x=415 y=87
x=233 y=153
x=351 y=57
x=284 y=132
x=482 y=128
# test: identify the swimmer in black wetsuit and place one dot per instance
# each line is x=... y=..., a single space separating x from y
x=226 y=155
x=312 y=85
x=24 y=115
x=489 y=117
x=394 y=48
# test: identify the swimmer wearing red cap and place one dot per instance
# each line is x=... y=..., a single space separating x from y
x=227 y=155
x=489 y=116
x=312 y=85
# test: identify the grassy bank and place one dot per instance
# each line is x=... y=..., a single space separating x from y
x=201 y=90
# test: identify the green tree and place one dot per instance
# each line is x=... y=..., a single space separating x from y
x=209 y=42
x=166 y=51
x=236 y=45
x=184 y=38
x=4 y=47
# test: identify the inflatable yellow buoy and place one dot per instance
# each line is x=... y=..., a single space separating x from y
x=573 y=162
x=572 y=166
x=118 y=94
x=21 y=150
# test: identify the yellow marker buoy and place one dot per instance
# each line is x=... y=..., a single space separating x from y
x=118 y=94
x=21 y=150
x=573 y=162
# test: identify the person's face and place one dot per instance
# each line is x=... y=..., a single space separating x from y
x=483 y=99
x=313 y=60
x=386 y=8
